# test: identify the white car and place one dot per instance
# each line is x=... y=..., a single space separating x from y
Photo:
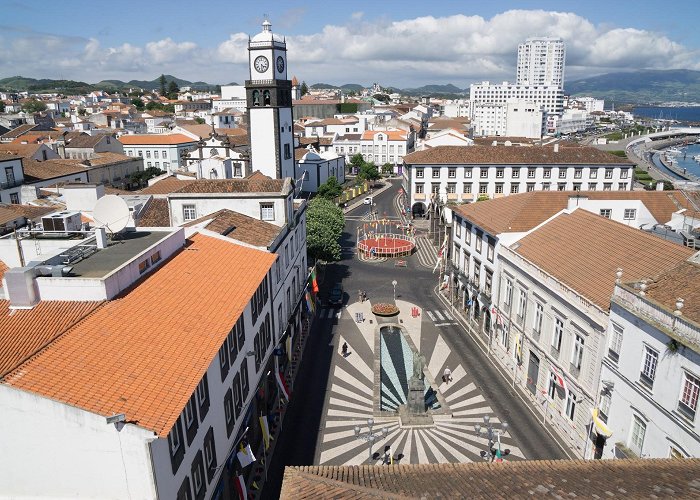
x=367 y=200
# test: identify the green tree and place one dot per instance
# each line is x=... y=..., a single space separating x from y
x=141 y=177
x=81 y=111
x=2 y=107
x=324 y=223
x=218 y=89
x=199 y=120
x=138 y=102
x=330 y=189
x=163 y=82
x=387 y=168
x=173 y=89
x=33 y=106
x=382 y=97
x=368 y=172
x=357 y=160
x=304 y=89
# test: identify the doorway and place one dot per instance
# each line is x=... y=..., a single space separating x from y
x=533 y=371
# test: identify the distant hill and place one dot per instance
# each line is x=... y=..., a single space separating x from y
x=352 y=87
x=641 y=87
x=20 y=83
x=435 y=89
x=323 y=86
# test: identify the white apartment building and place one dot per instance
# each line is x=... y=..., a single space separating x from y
x=550 y=97
x=571 y=121
x=549 y=324
x=159 y=151
x=590 y=104
x=515 y=118
x=232 y=96
x=462 y=174
x=650 y=380
x=11 y=178
x=385 y=146
x=347 y=145
x=541 y=62
x=459 y=108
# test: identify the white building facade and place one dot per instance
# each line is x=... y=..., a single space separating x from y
x=549 y=97
x=541 y=62
x=160 y=151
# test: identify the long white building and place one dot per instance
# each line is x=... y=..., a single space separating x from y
x=550 y=97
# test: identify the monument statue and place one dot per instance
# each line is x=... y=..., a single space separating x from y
x=418 y=364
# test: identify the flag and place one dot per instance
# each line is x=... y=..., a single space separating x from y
x=288 y=344
x=309 y=303
x=265 y=430
x=282 y=385
x=559 y=380
x=437 y=264
x=518 y=348
x=442 y=247
x=314 y=283
x=240 y=488
x=245 y=455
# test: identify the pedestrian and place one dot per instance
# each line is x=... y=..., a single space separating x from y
x=447 y=375
x=345 y=349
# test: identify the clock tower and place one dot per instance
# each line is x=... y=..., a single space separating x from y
x=269 y=103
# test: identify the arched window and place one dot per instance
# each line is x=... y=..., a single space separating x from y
x=213 y=174
x=266 y=97
x=256 y=98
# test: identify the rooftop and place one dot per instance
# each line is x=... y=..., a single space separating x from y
x=653 y=478
x=584 y=251
x=166 y=185
x=523 y=211
x=155 y=140
x=238 y=227
x=682 y=281
x=393 y=135
x=156 y=214
x=249 y=184
x=149 y=370
x=511 y=155
x=35 y=171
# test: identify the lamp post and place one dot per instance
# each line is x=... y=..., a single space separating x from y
x=493 y=435
x=394 y=283
x=369 y=436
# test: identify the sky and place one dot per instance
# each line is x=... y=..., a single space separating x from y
x=400 y=43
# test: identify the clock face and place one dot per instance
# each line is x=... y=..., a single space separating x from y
x=261 y=64
x=280 y=64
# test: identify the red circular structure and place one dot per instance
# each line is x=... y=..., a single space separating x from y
x=387 y=245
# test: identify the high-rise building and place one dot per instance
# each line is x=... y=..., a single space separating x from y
x=541 y=62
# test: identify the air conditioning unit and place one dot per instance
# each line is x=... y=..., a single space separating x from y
x=62 y=223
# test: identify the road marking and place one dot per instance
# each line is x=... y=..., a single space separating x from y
x=440 y=316
x=432 y=316
x=337 y=314
x=447 y=315
x=445 y=324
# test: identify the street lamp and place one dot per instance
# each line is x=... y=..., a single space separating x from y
x=394 y=283
x=369 y=436
x=492 y=433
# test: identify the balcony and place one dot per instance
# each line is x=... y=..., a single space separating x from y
x=419 y=196
x=10 y=184
x=451 y=196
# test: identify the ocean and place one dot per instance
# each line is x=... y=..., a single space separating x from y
x=686 y=114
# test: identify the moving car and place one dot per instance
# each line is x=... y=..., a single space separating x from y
x=367 y=200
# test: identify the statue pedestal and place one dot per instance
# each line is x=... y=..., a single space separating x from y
x=413 y=414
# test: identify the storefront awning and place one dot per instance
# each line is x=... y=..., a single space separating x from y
x=599 y=425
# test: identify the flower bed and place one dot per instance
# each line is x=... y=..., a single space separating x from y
x=385 y=309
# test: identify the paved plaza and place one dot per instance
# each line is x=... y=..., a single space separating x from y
x=354 y=390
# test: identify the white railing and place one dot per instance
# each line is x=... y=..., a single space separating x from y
x=657 y=314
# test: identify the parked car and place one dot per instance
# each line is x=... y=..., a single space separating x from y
x=335 y=298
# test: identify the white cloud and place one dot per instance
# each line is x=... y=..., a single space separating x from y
x=460 y=49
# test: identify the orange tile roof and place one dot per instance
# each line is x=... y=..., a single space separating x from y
x=584 y=250
x=506 y=155
x=393 y=135
x=149 y=370
x=239 y=227
x=166 y=185
x=23 y=332
x=523 y=211
x=147 y=140
x=682 y=281
x=156 y=214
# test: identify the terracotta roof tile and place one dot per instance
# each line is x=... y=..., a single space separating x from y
x=149 y=370
x=108 y=158
x=23 y=332
x=523 y=211
x=167 y=185
x=30 y=212
x=18 y=131
x=506 y=155
x=85 y=141
x=156 y=214
x=155 y=139
x=49 y=169
x=247 y=185
x=393 y=135
x=584 y=251
x=525 y=479
x=26 y=150
x=682 y=281
x=239 y=227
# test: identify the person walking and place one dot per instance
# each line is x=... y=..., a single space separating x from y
x=447 y=375
x=345 y=349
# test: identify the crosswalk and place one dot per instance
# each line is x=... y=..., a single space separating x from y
x=329 y=313
x=426 y=252
x=441 y=317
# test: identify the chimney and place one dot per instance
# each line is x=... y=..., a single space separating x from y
x=21 y=288
x=556 y=147
x=660 y=186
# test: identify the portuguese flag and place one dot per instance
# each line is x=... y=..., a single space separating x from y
x=314 y=283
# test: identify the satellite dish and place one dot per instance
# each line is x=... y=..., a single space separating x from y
x=111 y=212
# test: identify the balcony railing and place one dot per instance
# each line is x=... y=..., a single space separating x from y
x=11 y=184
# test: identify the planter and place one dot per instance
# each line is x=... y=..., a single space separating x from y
x=385 y=310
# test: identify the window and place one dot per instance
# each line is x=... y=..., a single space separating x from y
x=419 y=173
x=630 y=214
x=436 y=173
x=483 y=188
x=143 y=266
x=488 y=280
x=547 y=173
x=155 y=257
x=190 y=413
x=452 y=173
x=508 y=295
x=468 y=173
x=467 y=188
x=608 y=173
x=267 y=211
x=624 y=173
x=514 y=188
x=577 y=354
x=223 y=360
x=499 y=188
x=177 y=448
x=435 y=187
x=184 y=492
x=593 y=173
x=522 y=307
x=539 y=318
x=615 y=343
x=606 y=212
x=552 y=388
x=639 y=429
x=166 y=165
x=228 y=412
x=530 y=187
x=477 y=272
x=490 y=250
x=155 y=155
x=189 y=212
x=604 y=410
x=198 y=484
x=530 y=173
x=420 y=188
x=202 y=393
x=458 y=230
x=479 y=240
x=558 y=333
x=578 y=173
x=165 y=154
x=499 y=173
x=287 y=152
x=516 y=173
x=570 y=405
x=148 y=154
x=649 y=362
x=688 y=403
x=561 y=186
x=483 y=173
x=562 y=173
x=622 y=186
x=451 y=187
x=674 y=452
x=14 y=198
x=607 y=186
x=209 y=454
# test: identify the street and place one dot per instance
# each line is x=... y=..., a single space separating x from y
x=334 y=393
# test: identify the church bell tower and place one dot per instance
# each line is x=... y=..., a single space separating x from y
x=269 y=103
